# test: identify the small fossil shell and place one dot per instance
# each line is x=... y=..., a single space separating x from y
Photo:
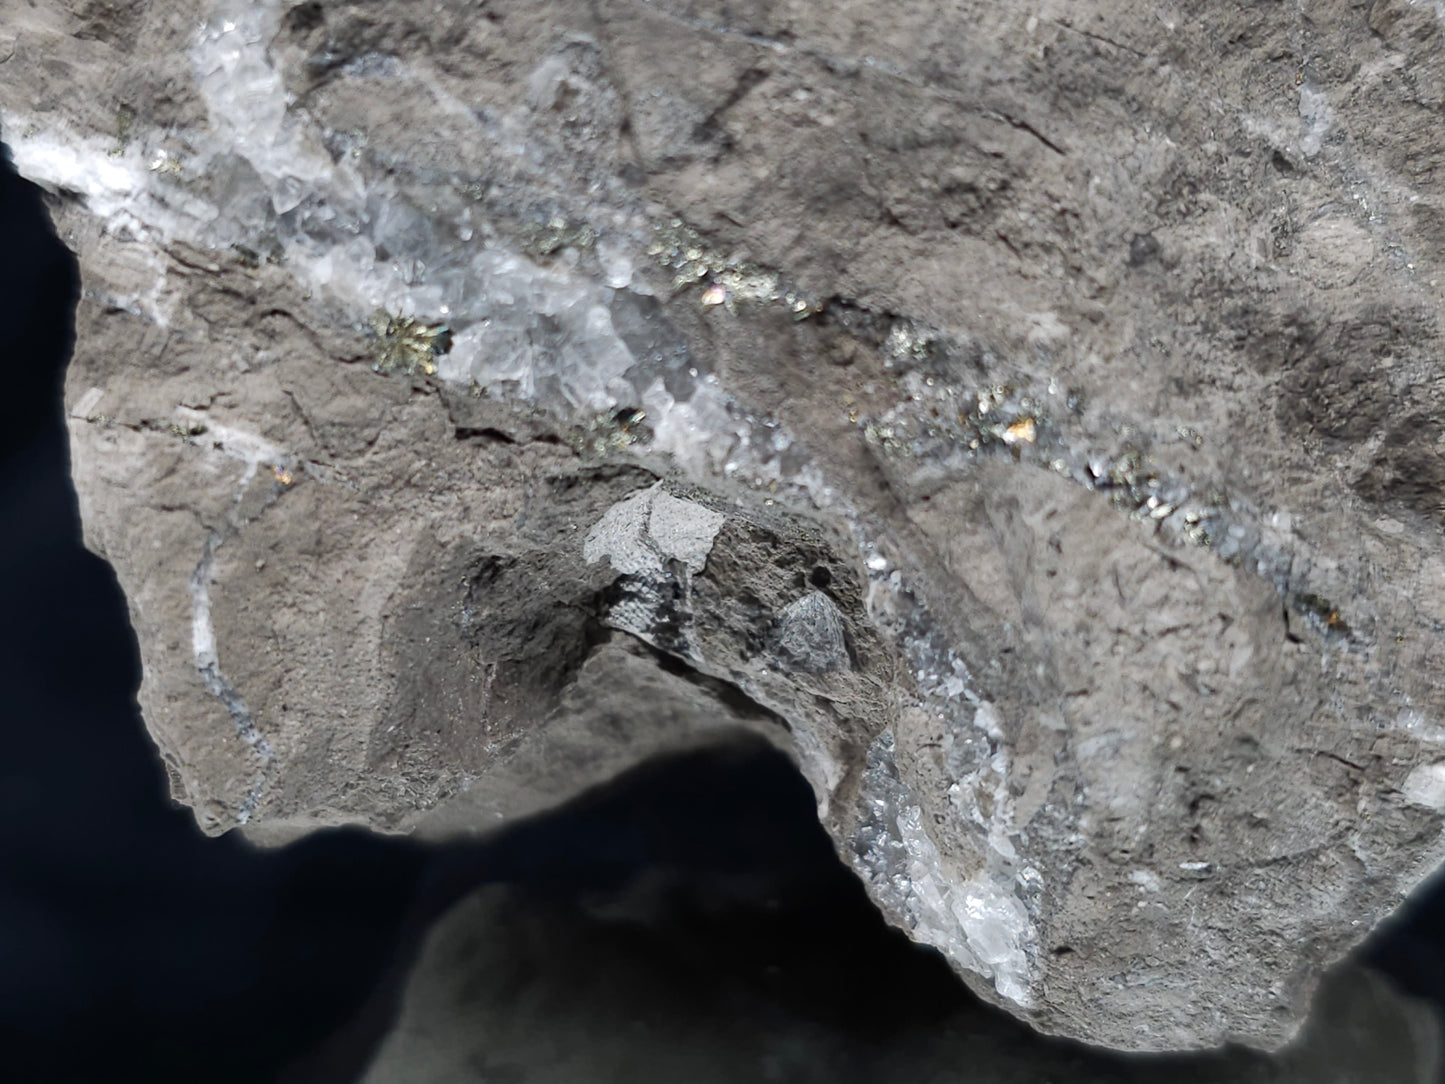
x=811 y=635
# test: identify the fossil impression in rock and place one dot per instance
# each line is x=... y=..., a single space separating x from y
x=1030 y=422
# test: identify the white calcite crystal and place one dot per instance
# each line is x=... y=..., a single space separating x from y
x=980 y=925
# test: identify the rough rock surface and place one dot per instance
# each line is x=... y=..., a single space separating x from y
x=1029 y=417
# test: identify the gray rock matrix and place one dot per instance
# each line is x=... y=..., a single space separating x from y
x=1030 y=419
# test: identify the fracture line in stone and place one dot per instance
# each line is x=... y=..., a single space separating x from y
x=203 y=645
x=252 y=450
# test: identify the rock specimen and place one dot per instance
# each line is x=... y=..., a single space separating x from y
x=1032 y=420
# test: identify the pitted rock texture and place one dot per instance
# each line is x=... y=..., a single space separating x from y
x=1032 y=419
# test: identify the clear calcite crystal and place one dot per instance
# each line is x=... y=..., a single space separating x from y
x=473 y=407
x=540 y=333
x=980 y=925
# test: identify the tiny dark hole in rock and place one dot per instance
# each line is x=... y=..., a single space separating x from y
x=304 y=17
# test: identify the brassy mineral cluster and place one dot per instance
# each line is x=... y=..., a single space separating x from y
x=1028 y=417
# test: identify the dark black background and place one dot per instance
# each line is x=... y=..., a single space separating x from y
x=131 y=947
